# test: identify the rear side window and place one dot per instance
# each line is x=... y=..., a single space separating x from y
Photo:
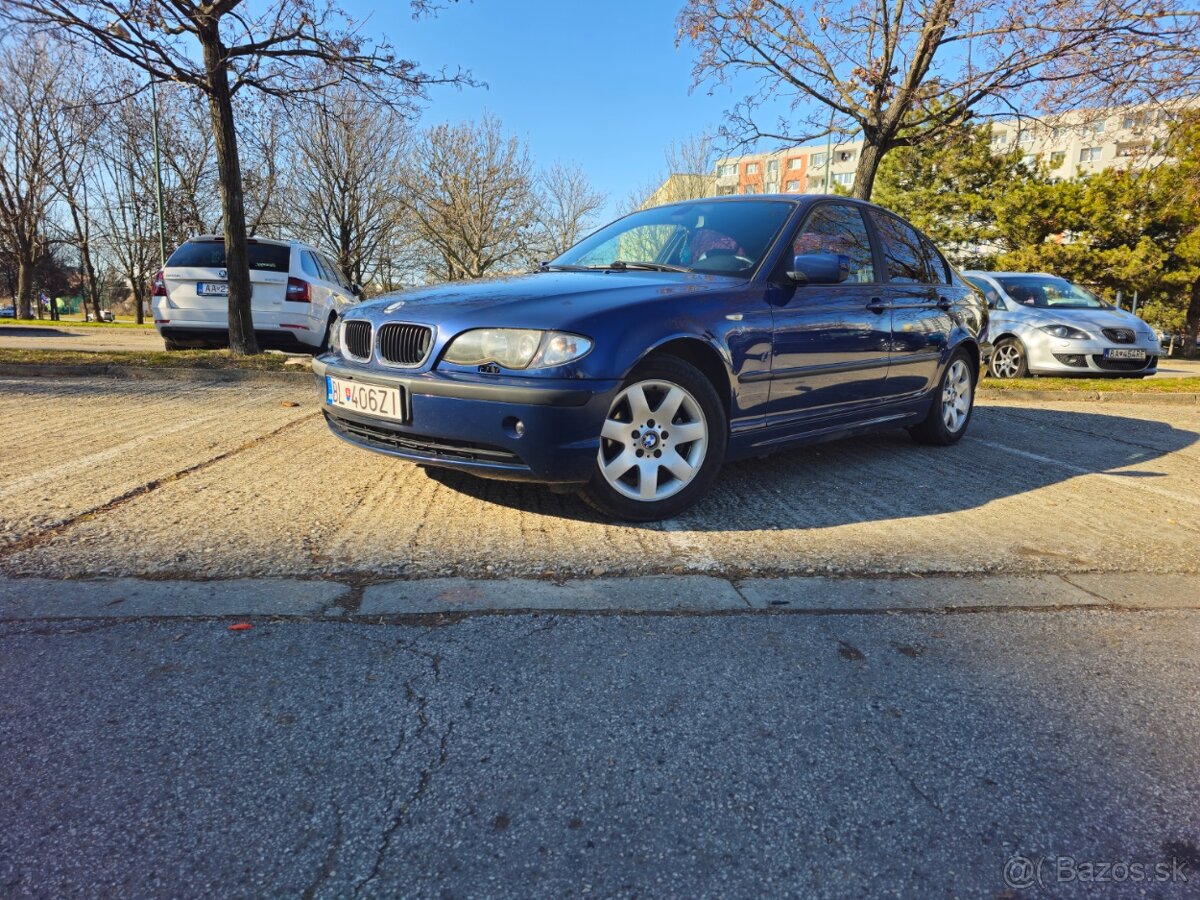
x=332 y=272
x=937 y=265
x=903 y=251
x=308 y=263
x=838 y=228
x=211 y=255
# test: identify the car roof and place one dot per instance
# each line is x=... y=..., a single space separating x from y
x=253 y=240
x=980 y=272
x=789 y=198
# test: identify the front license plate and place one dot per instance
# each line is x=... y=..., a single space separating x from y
x=212 y=289
x=1124 y=353
x=370 y=399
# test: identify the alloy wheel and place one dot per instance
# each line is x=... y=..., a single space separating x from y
x=653 y=441
x=1006 y=361
x=956 y=396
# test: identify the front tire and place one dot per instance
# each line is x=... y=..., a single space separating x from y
x=1009 y=360
x=662 y=443
x=952 y=406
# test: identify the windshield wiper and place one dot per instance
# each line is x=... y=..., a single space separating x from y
x=620 y=264
x=562 y=267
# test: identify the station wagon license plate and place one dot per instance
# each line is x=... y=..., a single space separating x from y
x=370 y=399
x=212 y=289
x=1124 y=353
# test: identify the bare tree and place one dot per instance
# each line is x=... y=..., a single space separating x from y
x=27 y=74
x=73 y=129
x=688 y=173
x=128 y=218
x=470 y=191
x=567 y=207
x=901 y=73
x=347 y=176
x=283 y=48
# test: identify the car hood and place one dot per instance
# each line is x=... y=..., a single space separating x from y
x=1081 y=318
x=540 y=300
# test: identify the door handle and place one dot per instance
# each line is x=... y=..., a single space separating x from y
x=877 y=306
x=945 y=303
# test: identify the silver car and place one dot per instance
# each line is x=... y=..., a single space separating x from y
x=1044 y=325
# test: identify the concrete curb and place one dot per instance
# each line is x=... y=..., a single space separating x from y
x=28 y=599
x=1187 y=399
x=40 y=370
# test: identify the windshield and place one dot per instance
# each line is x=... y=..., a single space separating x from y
x=1047 y=292
x=211 y=255
x=723 y=238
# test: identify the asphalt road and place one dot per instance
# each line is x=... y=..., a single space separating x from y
x=781 y=693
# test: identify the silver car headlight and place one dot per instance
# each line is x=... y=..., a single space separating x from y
x=1066 y=332
x=335 y=336
x=516 y=348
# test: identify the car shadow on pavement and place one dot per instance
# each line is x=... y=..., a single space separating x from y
x=1008 y=451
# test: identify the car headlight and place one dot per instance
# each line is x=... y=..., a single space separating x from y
x=1066 y=332
x=516 y=348
x=335 y=336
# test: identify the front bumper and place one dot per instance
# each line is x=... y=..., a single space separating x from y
x=1049 y=355
x=467 y=422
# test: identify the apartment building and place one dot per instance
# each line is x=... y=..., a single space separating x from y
x=1069 y=144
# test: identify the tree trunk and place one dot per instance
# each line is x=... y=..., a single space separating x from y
x=1193 y=320
x=24 y=288
x=229 y=174
x=869 y=157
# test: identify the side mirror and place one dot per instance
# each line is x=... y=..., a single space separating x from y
x=356 y=289
x=820 y=268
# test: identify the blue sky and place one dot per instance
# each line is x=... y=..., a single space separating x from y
x=601 y=84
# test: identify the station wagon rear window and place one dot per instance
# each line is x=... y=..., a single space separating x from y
x=211 y=255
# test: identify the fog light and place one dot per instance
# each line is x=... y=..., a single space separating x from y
x=514 y=427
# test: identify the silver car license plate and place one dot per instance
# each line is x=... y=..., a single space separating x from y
x=369 y=399
x=1124 y=353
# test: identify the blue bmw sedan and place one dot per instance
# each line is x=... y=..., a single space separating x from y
x=631 y=367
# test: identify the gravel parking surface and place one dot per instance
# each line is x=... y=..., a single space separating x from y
x=107 y=477
x=52 y=336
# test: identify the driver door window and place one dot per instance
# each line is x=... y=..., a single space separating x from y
x=837 y=228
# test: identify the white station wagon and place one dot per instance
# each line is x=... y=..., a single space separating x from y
x=296 y=294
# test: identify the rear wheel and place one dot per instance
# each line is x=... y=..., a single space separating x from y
x=952 y=405
x=1008 y=360
x=661 y=445
x=172 y=345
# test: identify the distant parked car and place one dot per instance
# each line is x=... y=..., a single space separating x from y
x=633 y=365
x=105 y=316
x=297 y=293
x=1044 y=325
x=7 y=312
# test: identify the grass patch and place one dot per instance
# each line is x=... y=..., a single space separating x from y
x=159 y=359
x=73 y=323
x=1185 y=385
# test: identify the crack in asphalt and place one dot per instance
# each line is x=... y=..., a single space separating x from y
x=916 y=789
x=327 y=865
x=399 y=811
